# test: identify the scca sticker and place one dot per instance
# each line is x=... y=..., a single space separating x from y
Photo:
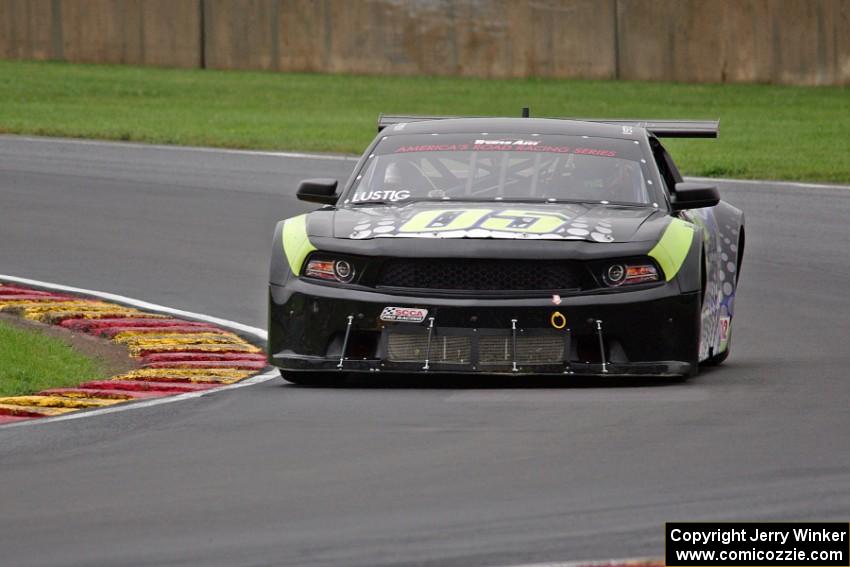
x=404 y=314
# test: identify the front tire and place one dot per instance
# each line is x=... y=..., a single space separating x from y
x=718 y=359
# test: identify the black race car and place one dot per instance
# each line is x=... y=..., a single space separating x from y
x=505 y=246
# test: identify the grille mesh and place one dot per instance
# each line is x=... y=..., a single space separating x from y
x=529 y=349
x=413 y=348
x=492 y=350
x=480 y=275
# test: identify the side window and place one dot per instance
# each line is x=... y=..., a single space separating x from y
x=669 y=173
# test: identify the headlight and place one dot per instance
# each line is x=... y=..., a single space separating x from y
x=627 y=273
x=332 y=270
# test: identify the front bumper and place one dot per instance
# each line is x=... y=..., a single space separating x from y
x=647 y=332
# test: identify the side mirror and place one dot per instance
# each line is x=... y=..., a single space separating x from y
x=694 y=196
x=318 y=191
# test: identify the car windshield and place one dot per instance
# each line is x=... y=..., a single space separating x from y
x=501 y=167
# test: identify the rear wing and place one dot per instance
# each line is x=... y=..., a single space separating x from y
x=660 y=128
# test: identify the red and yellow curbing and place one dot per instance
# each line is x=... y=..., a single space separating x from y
x=175 y=356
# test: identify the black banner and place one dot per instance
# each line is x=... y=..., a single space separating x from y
x=800 y=544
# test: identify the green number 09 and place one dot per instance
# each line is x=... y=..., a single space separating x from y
x=465 y=219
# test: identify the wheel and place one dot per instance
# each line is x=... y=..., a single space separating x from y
x=717 y=359
x=313 y=378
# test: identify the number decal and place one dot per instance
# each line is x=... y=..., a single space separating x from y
x=524 y=221
x=444 y=219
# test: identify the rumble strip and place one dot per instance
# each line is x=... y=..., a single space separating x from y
x=176 y=355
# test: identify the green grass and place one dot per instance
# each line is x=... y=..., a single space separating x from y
x=31 y=361
x=771 y=132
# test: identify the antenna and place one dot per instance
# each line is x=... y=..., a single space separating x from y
x=525 y=112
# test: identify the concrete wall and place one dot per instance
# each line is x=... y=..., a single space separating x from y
x=139 y=32
x=484 y=38
x=782 y=41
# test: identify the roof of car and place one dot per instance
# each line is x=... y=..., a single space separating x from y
x=515 y=126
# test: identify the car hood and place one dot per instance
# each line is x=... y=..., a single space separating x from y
x=552 y=221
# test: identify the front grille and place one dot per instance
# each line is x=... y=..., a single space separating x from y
x=414 y=348
x=458 y=346
x=533 y=349
x=480 y=275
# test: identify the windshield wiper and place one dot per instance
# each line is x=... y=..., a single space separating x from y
x=361 y=203
x=502 y=200
x=517 y=200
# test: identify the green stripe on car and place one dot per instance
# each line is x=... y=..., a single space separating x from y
x=673 y=247
x=296 y=244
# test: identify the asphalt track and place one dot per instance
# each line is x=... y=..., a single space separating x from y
x=279 y=475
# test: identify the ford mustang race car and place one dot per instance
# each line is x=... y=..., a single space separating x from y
x=507 y=246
